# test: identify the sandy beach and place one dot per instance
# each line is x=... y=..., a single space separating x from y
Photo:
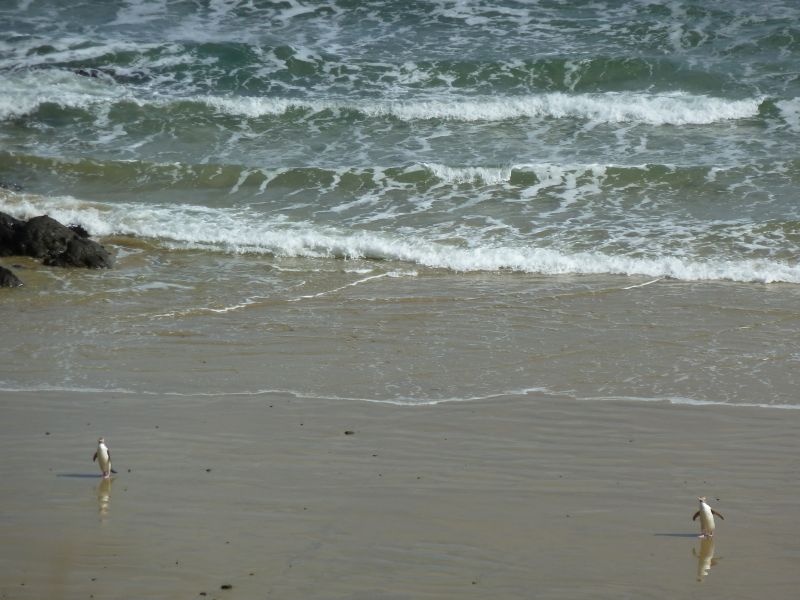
x=409 y=301
x=528 y=497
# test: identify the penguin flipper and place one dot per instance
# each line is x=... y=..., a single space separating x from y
x=94 y=458
x=113 y=471
x=716 y=513
x=697 y=514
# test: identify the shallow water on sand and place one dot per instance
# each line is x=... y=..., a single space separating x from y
x=198 y=323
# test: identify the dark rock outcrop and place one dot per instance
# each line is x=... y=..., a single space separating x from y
x=81 y=252
x=56 y=244
x=79 y=230
x=8 y=234
x=8 y=279
x=43 y=237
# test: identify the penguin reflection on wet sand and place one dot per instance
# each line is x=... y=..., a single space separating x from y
x=104 y=497
x=706 y=514
x=705 y=557
x=103 y=458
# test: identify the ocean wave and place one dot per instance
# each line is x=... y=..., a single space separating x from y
x=526 y=178
x=611 y=107
x=26 y=93
x=244 y=231
x=467 y=45
x=23 y=94
x=202 y=61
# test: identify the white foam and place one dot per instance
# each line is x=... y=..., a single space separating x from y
x=64 y=49
x=672 y=109
x=683 y=401
x=612 y=107
x=295 y=9
x=254 y=107
x=340 y=288
x=137 y=12
x=23 y=93
x=790 y=109
x=407 y=401
x=488 y=176
x=240 y=231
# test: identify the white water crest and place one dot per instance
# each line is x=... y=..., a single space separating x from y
x=24 y=93
x=489 y=176
x=242 y=231
x=612 y=107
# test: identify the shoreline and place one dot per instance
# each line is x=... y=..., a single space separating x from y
x=506 y=497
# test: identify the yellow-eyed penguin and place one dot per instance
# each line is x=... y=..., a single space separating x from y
x=103 y=458
x=706 y=514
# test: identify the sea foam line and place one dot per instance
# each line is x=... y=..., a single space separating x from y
x=646 y=283
x=25 y=93
x=207 y=309
x=404 y=401
x=611 y=107
x=340 y=288
x=241 y=232
x=683 y=401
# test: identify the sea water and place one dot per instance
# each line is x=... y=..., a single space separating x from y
x=409 y=202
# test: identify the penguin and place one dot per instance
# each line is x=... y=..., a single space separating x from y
x=706 y=514
x=103 y=458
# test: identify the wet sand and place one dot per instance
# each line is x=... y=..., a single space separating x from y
x=507 y=498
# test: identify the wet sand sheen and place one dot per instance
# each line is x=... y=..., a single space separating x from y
x=433 y=336
x=515 y=497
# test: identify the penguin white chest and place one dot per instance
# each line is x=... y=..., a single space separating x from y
x=706 y=519
x=103 y=458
